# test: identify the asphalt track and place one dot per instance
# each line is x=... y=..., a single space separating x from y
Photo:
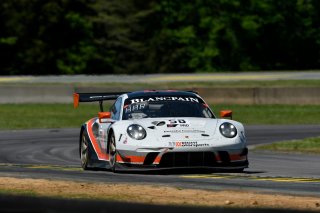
x=53 y=153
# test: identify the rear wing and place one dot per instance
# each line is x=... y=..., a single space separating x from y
x=92 y=97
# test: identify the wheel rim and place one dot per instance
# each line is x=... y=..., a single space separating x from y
x=84 y=151
x=112 y=152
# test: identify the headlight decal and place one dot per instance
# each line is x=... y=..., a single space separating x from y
x=136 y=132
x=228 y=130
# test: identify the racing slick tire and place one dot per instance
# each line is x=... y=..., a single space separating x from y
x=112 y=153
x=84 y=151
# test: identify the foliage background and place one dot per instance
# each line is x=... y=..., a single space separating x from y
x=148 y=36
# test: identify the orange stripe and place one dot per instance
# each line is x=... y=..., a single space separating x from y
x=131 y=159
x=140 y=159
x=235 y=157
x=135 y=159
x=157 y=160
x=101 y=155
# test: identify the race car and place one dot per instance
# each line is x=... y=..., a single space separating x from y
x=160 y=129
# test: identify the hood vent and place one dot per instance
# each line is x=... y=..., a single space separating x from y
x=159 y=123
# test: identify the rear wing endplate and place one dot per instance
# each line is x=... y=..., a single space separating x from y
x=92 y=97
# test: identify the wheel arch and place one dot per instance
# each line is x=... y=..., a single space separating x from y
x=110 y=132
x=83 y=127
x=93 y=156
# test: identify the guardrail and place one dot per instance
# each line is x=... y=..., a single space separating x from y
x=63 y=94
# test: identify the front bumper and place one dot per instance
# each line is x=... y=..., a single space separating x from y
x=214 y=159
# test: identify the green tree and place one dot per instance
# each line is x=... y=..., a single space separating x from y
x=121 y=32
x=237 y=35
x=148 y=36
x=46 y=37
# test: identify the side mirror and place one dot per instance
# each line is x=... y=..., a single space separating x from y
x=104 y=115
x=226 y=114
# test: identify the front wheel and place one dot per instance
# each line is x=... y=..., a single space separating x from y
x=84 y=152
x=112 y=153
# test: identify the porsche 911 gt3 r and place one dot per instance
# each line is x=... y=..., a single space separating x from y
x=160 y=130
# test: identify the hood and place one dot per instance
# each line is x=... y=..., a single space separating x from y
x=179 y=128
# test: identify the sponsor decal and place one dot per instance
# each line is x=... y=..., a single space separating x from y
x=183 y=131
x=125 y=141
x=170 y=98
x=187 y=144
x=179 y=122
x=184 y=125
x=172 y=125
x=134 y=107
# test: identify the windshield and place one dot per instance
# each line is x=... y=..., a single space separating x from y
x=165 y=106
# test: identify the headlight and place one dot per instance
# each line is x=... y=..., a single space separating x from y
x=228 y=130
x=136 y=131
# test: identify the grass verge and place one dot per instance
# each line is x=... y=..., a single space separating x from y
x=185 y=84
x=213 y=84
x=272 y=114
x=308 y=145
x=29 y=116
x=33 y=116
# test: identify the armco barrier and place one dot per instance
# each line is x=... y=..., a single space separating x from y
x=287 y=95
x=63 y=94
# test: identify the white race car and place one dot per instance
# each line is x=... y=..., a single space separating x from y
x=160 y=130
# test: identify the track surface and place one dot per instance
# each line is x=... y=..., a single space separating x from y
x=54 y=154
x=154 y=78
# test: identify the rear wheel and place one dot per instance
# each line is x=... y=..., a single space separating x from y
x=84 y=151
x=112 y=153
